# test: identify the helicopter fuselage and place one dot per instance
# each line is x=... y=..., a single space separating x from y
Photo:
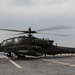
x=26 y=45
x=32 y=46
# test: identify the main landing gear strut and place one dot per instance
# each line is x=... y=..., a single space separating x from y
x=13 y=55
x=45 y=54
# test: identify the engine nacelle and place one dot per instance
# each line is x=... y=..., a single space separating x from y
x=42 y=42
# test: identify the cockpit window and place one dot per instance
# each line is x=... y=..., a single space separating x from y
x=3 y=43
x=9 y=41
x=20 y=39
x=16 y=40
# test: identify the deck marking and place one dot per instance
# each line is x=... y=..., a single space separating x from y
x=18 y=66
x=2 y=57
x=62 y=63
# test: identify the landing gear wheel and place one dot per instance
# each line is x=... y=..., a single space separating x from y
x=9 y=54
x=19 y=56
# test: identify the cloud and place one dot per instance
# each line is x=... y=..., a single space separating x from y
x=53 y=2
x=26 y=2
x=35 y=2
x=43 y=12
x=23 y=2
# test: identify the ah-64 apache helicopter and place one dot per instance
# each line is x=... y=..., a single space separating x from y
x=33 y=46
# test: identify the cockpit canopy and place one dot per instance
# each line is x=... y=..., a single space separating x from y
x=10 y=41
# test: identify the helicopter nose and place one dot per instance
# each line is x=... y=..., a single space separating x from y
x=0 y=48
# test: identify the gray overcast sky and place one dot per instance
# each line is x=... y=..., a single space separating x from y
x=39 y=14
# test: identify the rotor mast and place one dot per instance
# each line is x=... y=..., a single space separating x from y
x=30 y=32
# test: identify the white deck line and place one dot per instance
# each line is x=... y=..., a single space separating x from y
x=18 y=66
x=62 y=63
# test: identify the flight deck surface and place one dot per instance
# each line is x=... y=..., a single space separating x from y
x=58 y=65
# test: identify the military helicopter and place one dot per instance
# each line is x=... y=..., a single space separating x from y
x=33 y=46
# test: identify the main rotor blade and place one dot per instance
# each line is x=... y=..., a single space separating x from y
x=55 y=34
x=17 y=33
x=11 y=30
x=56 y=28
